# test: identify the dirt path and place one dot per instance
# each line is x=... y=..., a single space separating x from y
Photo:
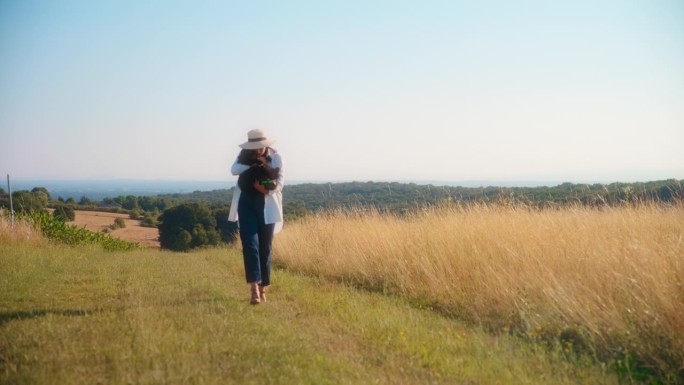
x=133 y=232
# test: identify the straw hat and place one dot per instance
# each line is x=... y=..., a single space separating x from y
x=256 y=139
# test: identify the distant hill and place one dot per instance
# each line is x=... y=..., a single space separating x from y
x=97 y=190
x=398 y=197
x=303 y=198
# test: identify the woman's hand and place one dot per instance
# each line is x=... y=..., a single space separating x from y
x=260 y=188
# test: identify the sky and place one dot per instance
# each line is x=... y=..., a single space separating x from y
x=576 y=91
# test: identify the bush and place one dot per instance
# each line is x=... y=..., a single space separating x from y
x=135 y=214
x=42 y=190
x=187 y=226
x=64 y=213
x=148 y=222
x=228 y=230
x=119 y=223
x=26 y=201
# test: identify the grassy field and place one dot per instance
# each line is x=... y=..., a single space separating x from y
x=608 y=283
x=85 y=316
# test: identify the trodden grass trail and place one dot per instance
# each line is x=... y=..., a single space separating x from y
x=86 y=316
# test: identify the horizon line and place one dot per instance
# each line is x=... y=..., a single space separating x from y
x=488 y=181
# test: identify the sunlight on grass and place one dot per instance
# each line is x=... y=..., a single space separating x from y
x=82 y=315
x=605 y=282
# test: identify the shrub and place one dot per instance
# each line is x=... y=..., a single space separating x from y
x=64 y=213
x=187 y=226
x=227 y=230
x=26 y=201
x=148 y=222
x=43 y=190
x=135 y=213
x=119 y=223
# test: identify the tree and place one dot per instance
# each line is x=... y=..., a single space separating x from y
x=227 y=230
x=41 y=189
x=181 y=242
x=110 y=202
x=199 y=236
x=130 y=202
x=187 y=226
x=29 y=202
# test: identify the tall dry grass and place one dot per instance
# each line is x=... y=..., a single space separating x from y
x=609 y=282
x=21 y=231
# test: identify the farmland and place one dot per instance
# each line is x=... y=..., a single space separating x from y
x=98 y=221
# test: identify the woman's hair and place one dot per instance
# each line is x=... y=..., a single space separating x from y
x=249 y=157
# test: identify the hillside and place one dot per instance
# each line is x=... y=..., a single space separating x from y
x=300 y=199
x=479 y=293
x=84 y=316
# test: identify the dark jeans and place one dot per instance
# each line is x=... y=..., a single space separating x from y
x=256 y=237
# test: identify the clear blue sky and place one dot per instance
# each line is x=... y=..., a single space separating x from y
x=575 y=91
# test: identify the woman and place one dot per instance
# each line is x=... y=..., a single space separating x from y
x=258 y=209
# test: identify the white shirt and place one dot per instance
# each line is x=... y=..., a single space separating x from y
x=273 y=207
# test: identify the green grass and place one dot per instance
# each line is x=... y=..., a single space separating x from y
x=84 y=316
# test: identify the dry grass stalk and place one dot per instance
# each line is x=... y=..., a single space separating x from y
x=605 y=279
x=21 y=232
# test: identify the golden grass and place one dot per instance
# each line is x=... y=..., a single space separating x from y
x=604 y=281
x=21 y=232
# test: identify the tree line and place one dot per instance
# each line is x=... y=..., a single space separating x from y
x=199 y=218
x=302 y=199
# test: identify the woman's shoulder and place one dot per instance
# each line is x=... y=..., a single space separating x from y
x=273 y=152
x=276 y=158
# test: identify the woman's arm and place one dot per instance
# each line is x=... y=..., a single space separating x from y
x=274 y=168
x=238 y=168
x=277 y=164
